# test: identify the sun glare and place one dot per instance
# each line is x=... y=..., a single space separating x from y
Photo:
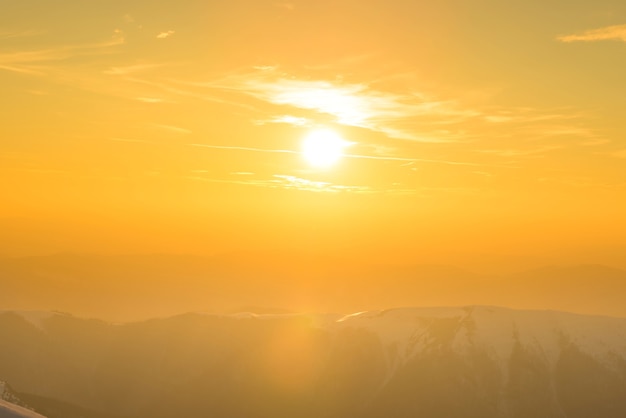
x=323 y=148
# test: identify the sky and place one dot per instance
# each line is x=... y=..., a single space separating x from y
x=482 y=130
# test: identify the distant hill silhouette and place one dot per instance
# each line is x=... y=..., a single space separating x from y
x=137 y=287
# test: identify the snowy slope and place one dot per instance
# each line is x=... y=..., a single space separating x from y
x=475 y=361
x=408 y=331
x=9 y=410
x=489 y=361
x=8 y=395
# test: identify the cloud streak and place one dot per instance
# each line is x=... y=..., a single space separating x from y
x=21 y=34
x=350 y=104
x=286 y=119
x=131 y=69
x=356 y=156
x=138 y=141
x=289 y=182
x=236 y=148
x=614 y=33
x=173 y=129
x=36 y=62
x=166 y=34
x=150 y=100
x=407 y=115
x=521 y=153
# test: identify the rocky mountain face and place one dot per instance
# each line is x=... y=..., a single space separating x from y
x=432 y=362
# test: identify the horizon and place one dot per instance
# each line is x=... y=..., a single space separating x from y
x=122 y=288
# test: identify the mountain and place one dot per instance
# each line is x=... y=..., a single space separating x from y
x=10 y=410
x=9 y=395
x=11 y=406
x=125 y=288
x=475 y=361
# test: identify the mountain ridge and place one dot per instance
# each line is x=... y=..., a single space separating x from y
x=486 y=361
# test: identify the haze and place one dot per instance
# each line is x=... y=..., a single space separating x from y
x=484 y=136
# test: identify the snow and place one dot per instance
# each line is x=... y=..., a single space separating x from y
x=498 y=331
x=9 y=410
x=405 y=332
x=402 y=332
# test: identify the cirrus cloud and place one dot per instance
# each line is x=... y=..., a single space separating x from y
x=614 y=33
x=349 y=104
x=165 y=34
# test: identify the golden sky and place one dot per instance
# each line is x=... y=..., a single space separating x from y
x=474 y=128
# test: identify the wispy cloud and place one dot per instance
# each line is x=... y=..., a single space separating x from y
x=20 y=34
x=131 y=69
x=538 y=151
x=128 y=140
x=616 y=33
x=150 y=99
x=298 y=183
x=36 y=62
x=411 y=160
x=526 y=116
x=351 y=104
x=355 y=156
x=565 y=130
x=31 y=70
x=173 y=129
x=236 y=148
x=172 y=87
x=291 y=182
x=166 y=34
x=284 y=181
x=407 y=115
x=354 y=104
x=287 y=6
x=595 y=142
x=286 y=119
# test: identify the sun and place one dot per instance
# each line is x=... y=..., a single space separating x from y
x=322 y=148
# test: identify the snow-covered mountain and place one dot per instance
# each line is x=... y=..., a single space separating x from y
x=472 y=361
x=11 y=406
x=10 y=410
x=485 y=361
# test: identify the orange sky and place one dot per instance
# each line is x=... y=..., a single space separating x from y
x=479 y=130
